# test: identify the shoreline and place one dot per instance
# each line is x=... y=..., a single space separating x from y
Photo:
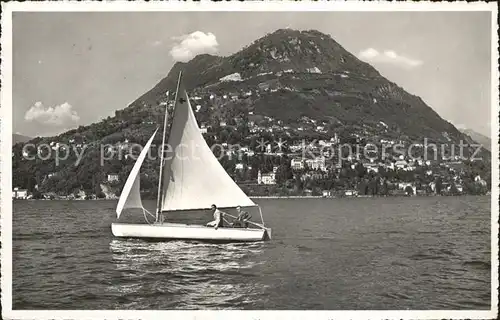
x=353 y=197
x=285 y=197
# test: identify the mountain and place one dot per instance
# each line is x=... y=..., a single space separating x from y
x=291 y=74
x=17 y=138
x=289 y=84
x=479 y=138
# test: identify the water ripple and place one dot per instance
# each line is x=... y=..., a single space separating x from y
x=391 y=253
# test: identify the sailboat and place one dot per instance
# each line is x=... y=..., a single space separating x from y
x=191 y=179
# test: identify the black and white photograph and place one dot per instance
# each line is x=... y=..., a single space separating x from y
x=249 y=159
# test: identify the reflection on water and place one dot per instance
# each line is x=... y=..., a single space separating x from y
x=188 y=275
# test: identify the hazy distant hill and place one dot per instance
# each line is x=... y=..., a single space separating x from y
x=479 y=138
x=16 y=138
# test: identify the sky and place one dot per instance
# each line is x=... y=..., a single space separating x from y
x=72 y=69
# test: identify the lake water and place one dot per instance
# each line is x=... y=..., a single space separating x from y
x=375 y=253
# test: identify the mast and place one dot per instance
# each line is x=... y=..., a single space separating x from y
x=160 y=179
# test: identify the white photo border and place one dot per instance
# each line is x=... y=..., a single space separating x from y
x=72 y=6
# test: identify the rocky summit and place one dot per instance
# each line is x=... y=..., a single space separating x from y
x=292 y=74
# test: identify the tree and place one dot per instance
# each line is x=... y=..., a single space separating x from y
x=283 y=173
x=363 y=187
x=454 y=189
x=37 y=195
x=298 y=183
x=100 y=195
x=360 y=170
x=409 y=190
x=384 y=188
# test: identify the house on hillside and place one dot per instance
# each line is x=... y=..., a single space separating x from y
x=325 y=143
x=350 y=193
x=297 y=164
x=371 y=167
x=113 y=177
x=335 y=139
x=316 y=163
x=400 y=164
x=19 y=193
x=327 y=193
x=296 y=147
x=266 y=178
x=263 y=86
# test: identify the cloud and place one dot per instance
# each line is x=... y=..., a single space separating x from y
x=156 y=43
x=55 y=116
x=388 y=56
x=193 y=44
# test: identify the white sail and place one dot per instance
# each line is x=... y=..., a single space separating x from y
x=193 y=178
x=131 y=196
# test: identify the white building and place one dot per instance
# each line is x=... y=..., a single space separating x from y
x=325 y=143
x=371 y=167
x=19 y=193
x=335 y=139
x=389 y=165
x=113 y=177
x=401 y=164
x=327 y=193
x=266 y=178
x=351 y=193
x=389 y=142
x=296 y=147
x=297 y=164
x=316 y=163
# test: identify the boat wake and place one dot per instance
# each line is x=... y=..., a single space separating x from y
x=186 y=275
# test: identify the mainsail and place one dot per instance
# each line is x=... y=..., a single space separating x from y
x=193 y=178
x=131 y=196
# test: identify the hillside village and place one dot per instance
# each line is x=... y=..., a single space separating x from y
x=264 y=156
x=279 y=113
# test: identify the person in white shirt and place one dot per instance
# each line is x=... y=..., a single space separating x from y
x=218 y=221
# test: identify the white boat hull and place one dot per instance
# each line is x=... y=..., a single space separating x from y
x=171 y=231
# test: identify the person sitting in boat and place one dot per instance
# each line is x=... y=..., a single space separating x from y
x=218 y=218
x=242 y=219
